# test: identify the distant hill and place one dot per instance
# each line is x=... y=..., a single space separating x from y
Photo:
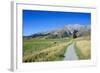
x=66 y=31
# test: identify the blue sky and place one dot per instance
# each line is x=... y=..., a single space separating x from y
x=41 y=21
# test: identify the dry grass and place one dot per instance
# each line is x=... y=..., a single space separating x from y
x=83 y=47
x=49 y=54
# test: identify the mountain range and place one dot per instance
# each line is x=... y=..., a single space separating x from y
x=66 y=31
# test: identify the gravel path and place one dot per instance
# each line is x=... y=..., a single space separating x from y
x=70 y=53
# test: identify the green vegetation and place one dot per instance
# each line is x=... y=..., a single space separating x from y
x=41 y=49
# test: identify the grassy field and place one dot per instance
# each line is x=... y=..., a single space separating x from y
x=39 y=49
x=83 y=47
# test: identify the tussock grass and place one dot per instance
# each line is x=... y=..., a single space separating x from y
x=83 y=48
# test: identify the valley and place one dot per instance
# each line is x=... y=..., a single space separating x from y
x=54 y=44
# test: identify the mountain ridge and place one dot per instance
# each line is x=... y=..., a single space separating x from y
x=66 y=31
